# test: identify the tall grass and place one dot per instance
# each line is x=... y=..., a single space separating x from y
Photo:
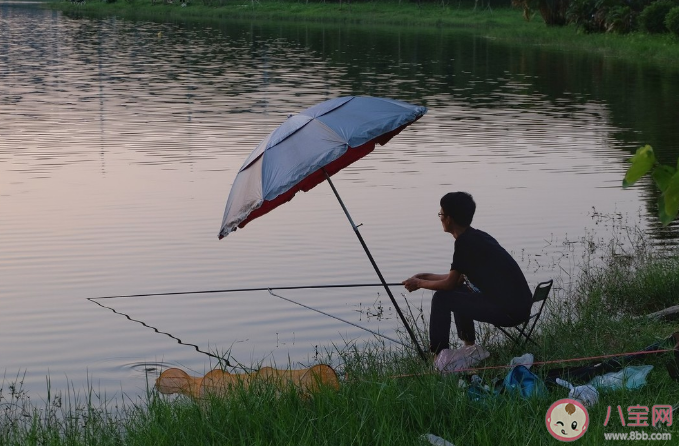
x=388 y=395
x=63 y=418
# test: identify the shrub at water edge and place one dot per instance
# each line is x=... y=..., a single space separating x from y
x=672 y=21
x=594 y=16
x=652 y=18
x=621 y=20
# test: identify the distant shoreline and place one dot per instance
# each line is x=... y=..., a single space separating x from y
x=505 y=25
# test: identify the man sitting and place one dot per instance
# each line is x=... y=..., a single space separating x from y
x=499 y=295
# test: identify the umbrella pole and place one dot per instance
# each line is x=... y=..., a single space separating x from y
x=377 y=270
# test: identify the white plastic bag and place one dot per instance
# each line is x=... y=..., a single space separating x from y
x=450 y=361
x=587 y=394
x=436 y=441
x=525 y=360
x=631 y=377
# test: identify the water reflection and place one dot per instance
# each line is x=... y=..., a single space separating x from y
x=119 y=140
x=136 y=70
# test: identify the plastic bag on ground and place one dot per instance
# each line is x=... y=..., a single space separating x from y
x=586 y=394
x=524 y=360
x=631 y=377
x=450 y=361
x=524 y=382
x=436 y=441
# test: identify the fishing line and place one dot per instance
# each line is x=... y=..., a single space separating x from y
x=220 y=359
x=238 y=290
x=339 y=319
x=234 y=290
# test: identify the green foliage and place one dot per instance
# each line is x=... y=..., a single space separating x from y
x=671 y=194
x=652 y=18
x=583 y=14
x=621 y=20
x=666 y=179
x=554 y=12
x=623 y=16
x=593 y=16
x=672 y=21
x=642 y=162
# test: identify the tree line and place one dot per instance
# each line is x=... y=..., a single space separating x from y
x=616 y=16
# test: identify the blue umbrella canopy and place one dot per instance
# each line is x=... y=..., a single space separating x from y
x=310 y=147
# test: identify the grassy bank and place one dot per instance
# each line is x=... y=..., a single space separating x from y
x=502 y=24
x=389 y=397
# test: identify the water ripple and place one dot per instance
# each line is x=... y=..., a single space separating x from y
x=119 y=141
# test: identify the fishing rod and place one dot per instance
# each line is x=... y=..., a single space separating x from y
x=233 y=290
x=239 y=290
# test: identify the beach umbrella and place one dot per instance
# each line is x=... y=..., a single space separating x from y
x=310 y=147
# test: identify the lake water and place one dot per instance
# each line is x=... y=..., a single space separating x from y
x=119 y=141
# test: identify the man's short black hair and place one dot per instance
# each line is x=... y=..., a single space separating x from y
x=459 y=206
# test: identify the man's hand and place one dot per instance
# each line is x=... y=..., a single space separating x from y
x=434 y=282
x=412 y=284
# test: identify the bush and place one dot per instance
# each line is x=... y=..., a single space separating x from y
x=593 y=16
x=586 y=14
x=621 y=20
x=672 y=21
x=652 y=18
x=554 y=11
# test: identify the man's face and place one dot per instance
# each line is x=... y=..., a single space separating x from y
x=445 y=220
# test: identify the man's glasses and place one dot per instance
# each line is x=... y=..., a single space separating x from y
x=441 y=214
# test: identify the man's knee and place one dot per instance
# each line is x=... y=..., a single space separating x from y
x=447 y=297
x=437 y=298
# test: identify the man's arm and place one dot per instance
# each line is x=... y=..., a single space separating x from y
x=434 y=282
x=430 y=276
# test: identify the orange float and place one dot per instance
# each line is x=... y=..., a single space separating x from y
x=218 y=382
